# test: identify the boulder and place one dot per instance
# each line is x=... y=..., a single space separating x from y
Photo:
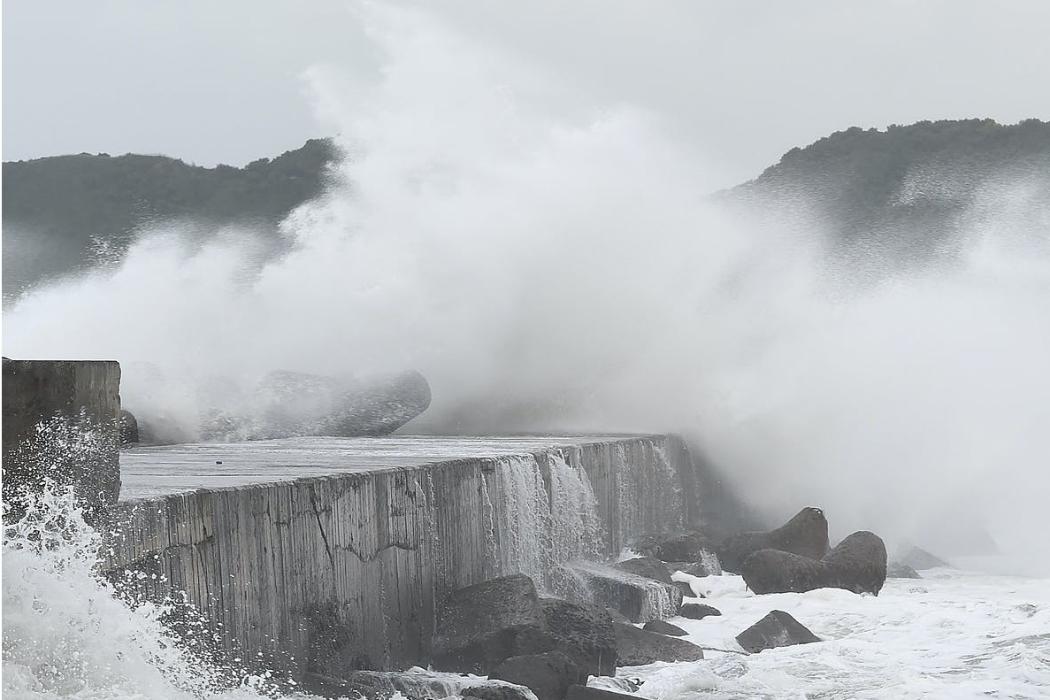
x=664 y=627
x=919 y=559
x=687 y=589
x=479 y=626
x=689 y=545
x=637 y=647
x=857 y=564
x=292 y=404
x=698 y=611
x=806 y=534
x=494 y=690
x=417 y=684
x=129 y=428
x=707 y=565
x=648 y=567
x=774 y=571
x=896 y=569
x=777 y=629
x=584 y=633
x=580 y=692
x=547 y=675
x=638 y=598
x=378 y=406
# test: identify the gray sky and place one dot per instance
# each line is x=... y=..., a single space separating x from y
x=740 y=81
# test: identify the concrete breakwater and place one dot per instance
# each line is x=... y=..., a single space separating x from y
x=324 y=555
x=61 y=422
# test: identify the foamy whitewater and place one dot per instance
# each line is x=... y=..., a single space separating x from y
x=951 y=634
x=957 y=634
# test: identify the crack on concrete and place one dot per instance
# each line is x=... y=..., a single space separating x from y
x=324 y=537
x=393 y=545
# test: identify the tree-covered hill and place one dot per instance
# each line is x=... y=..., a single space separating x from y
x=61 y=213
x=893 y=195
x=902 y=193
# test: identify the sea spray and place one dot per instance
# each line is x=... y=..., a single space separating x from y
x=67 y=633
x=554 y=274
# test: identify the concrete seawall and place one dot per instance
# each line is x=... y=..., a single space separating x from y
x=61 y=422
x=325 y=554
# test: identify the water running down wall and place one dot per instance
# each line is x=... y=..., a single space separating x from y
x=326 y=574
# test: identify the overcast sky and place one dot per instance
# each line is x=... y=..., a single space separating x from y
x=739 y=81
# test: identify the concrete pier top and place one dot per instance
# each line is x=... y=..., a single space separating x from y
x=150 y=472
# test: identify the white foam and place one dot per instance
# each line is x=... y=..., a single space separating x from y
x=952 y=634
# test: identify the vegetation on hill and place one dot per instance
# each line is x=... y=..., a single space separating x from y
x=896 y=194
x=902 y=192
x=61 y=213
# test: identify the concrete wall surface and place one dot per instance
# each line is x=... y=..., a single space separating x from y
x=60 y=421
x=325 y=574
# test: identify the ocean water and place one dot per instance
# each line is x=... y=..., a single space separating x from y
x=952 y=634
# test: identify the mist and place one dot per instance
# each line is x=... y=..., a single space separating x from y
x=553 y=272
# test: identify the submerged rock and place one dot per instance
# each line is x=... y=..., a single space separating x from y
x=580 y=692
x=548 y=675
x=698 y=611
x=664 y=627
x=638 y=598
x=857 y=564
x=806 y=535
x=648 y=567
x=777 y=629
x=637 y=647
x=919 y=559
x=895 y=569
x=417 y=684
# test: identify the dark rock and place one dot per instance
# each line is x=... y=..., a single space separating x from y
x=698 y=611
x=616 y=615
x=636 y=647
x=378 y=406
x=686 y=589
x=896 y=569
x=857 y=564
x=584 y=633
x=919 y=559
x=708 y=565
x=129 y=428
x=777 y=629
x=547 y=675
x=494 y=692
x=648 y=567
x=806 y=534
x=479 y=626
x=638 y=598
x=774 y=571
x=675 y=546
x=482 y=625
x=664 y=627
x=413 y=685
x=293 y=404
x=579 y=692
